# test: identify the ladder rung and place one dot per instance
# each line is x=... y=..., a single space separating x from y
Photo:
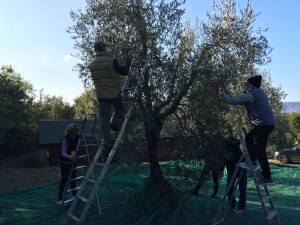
x=73 y=217
x=83 y=199
x=80 y=167
x=271 y=215
x=74 y=189
x=219 y=221
x=247 y=166
x=92 y=145
x=100 y=164
x=77 y=178
x=67 y=201
x=266 y=198
x=92 y=181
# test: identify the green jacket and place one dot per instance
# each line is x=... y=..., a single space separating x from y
x=106 y=80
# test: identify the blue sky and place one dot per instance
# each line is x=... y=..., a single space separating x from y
x=33 y=39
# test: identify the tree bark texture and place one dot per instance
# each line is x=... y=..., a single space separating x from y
x=152 y=136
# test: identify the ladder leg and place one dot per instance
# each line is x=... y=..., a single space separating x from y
x=88 y=201
x=263 y=199
x=234 y=181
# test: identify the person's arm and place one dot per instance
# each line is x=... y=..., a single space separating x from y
x=64 y=147
x=246 y=97
x=238 y=100
x=123 y=70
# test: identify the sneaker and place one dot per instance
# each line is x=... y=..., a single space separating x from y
x=264 y=181
x=238 y=211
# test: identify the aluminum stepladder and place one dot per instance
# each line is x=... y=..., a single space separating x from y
x=86 y=143
x=87 y=200
x=270 y=213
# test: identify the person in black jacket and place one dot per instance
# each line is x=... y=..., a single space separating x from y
x=68 y=153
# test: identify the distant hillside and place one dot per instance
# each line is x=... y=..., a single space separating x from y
x=291 y=106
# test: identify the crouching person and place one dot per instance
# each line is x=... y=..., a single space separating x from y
x=216 y=175
x=231 y=156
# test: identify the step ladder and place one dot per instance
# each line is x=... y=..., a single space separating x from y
x=82 y=202
x=245 y=163
x=86 y=144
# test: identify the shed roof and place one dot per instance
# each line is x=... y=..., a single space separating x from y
x=52 y=131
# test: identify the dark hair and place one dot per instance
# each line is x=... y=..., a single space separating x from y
x=255 y=81
x=99 y=46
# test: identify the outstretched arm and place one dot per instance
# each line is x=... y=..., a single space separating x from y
x=241 y=99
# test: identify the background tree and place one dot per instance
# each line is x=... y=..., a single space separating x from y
x=15 y=97
x=21 y=110
x=294 y=124
x=45 y=106
x=86 y=103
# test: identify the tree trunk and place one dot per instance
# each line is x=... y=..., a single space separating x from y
x=152 y=136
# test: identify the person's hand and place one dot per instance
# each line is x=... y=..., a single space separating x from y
x=221 y=90
x=73 y=154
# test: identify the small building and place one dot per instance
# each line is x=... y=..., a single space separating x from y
x=52 y=131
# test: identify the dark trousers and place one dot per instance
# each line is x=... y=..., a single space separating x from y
x=242 y=187
x=65 y=170
x=105 y=115
x=256 y=142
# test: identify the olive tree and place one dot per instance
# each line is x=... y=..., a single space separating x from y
x=180 y=66
x=152 y=34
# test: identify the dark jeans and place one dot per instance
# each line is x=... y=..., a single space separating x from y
x=105 y=115
x=256 y=142
x=242 y=188
x=65 y=170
